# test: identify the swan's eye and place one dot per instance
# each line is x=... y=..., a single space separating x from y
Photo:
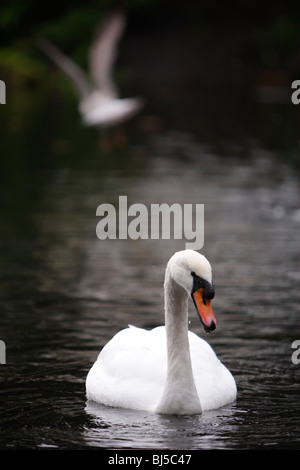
x=198 y=283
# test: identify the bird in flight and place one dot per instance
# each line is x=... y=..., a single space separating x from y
x=99 y=101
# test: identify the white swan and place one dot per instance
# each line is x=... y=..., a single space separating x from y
x=168 y=369
x=99 y=105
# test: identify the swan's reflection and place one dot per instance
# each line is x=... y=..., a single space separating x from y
x=130 y=429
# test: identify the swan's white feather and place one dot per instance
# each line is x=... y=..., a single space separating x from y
x=125 y=374
x=168 y=369
x=130 y=371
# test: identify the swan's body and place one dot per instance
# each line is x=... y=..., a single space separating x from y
x=168 y=369
x=99 y=103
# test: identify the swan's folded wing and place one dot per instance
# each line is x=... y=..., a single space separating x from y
x=130 y=370
x=214 y=382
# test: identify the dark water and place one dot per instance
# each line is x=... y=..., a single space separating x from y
x=64 y=293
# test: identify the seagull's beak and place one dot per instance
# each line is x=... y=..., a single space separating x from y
x=204 y=310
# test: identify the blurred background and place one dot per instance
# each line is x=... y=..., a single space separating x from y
x=219 y=128
x=221 y=71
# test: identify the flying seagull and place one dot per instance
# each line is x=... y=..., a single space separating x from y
x=99 y=103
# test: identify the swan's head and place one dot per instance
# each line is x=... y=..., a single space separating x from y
x=192 y=271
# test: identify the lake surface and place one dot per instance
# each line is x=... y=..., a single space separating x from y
x=64 y=293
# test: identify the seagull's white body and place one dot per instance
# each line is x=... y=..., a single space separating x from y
x=168 y=369
x=100 y=110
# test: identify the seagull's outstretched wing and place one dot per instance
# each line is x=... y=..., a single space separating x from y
x=76 y=74
x=104 y=50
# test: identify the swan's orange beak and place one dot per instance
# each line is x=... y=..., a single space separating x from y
x=204 y=310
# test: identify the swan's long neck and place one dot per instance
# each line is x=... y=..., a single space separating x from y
x=180 y=395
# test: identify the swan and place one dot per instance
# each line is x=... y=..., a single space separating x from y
x=99 y=104
x=167 y=370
